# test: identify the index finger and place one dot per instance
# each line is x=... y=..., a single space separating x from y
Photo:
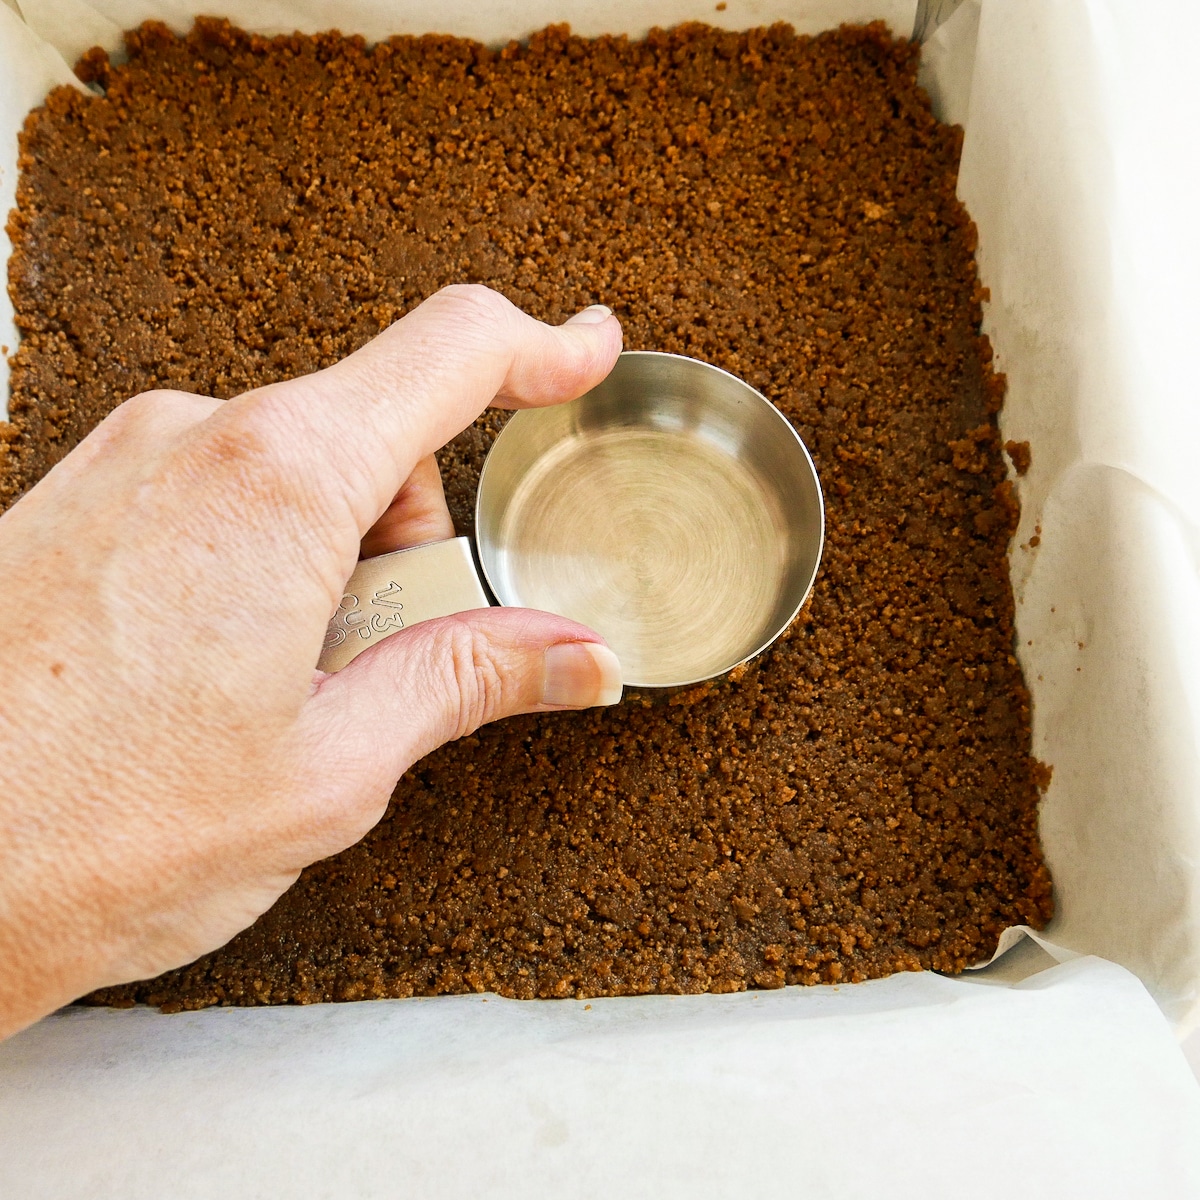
x=378 y=412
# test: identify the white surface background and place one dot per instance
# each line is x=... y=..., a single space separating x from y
x=1068 y=1085
x=1079 y=167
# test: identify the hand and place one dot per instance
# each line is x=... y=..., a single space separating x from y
x=172 y=759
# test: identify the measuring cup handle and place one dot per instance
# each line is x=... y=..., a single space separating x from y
x=391 y=592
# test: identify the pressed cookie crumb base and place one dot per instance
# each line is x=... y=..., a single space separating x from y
x=858 y=800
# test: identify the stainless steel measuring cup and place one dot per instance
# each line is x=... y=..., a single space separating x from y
x=672 y=508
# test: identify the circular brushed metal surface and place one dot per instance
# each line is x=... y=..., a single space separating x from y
x=673 y=509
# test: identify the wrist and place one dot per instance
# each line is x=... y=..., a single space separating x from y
x=53 y=948
x=39 y=971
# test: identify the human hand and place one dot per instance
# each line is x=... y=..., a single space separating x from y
x=172 y=759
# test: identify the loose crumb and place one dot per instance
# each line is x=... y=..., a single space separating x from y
x=1021 y=456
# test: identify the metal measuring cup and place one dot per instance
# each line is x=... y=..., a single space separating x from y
x=673 y=509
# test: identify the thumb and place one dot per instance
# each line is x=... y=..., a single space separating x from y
x=442 y=679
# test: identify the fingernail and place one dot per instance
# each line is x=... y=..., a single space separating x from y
x=591 y=316
x=580 y=675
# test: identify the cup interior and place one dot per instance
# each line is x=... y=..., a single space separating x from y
x=673 y=509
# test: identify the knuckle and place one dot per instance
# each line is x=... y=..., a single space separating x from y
x=475 y=683
x=473 y=303
x=156 y=407
x=245 y=457
x=239 y=442
x=282 y=441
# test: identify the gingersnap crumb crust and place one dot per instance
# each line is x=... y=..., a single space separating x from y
x=861 y=798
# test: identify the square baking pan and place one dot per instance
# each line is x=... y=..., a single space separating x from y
x=1053 y=1069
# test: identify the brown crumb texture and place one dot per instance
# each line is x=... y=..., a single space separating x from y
x=1021 y=455
x=857 y=801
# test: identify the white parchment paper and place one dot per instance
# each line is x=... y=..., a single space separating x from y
x=69 y=23
x=1066 y=1086
x=1079 y=167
